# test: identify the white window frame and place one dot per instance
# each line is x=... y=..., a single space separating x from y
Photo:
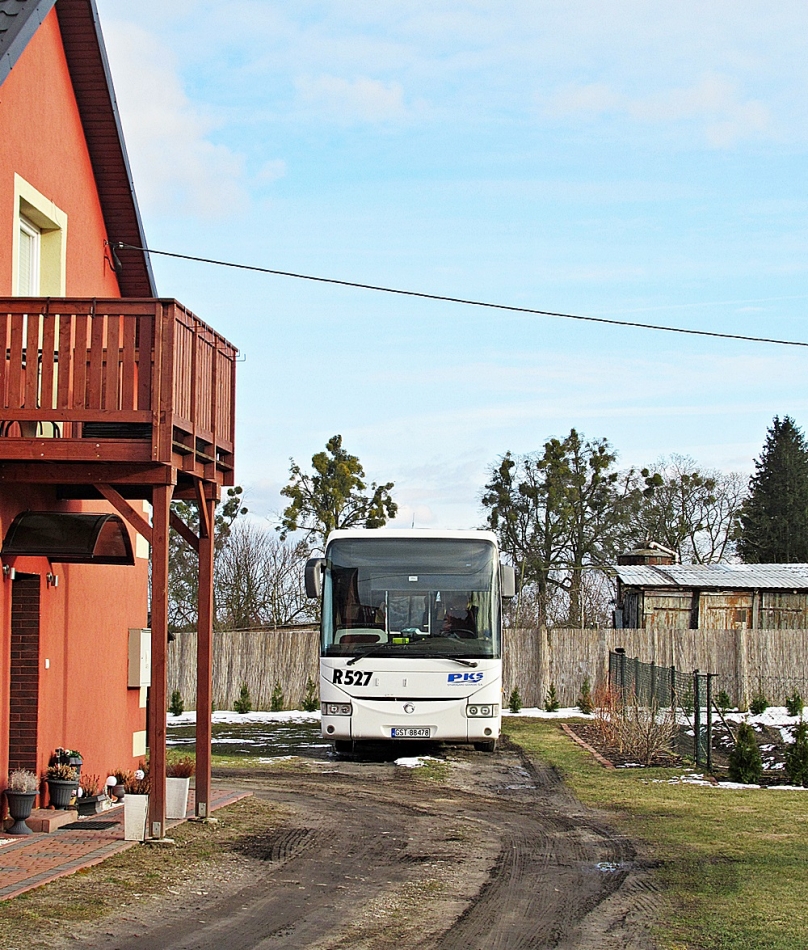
x=32 y=208
x=28 y=284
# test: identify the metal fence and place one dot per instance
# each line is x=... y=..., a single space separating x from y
x=688 y=695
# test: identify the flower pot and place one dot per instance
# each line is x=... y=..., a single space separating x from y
x=135 y=816
x=19 y=807
x=91 y=804
x=61 y=791
x=118 y=791
x=177 y=797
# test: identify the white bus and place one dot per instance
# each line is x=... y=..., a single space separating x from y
x=411 y=636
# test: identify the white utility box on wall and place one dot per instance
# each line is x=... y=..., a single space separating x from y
x=139 y=658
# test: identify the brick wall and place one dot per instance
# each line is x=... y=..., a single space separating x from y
x=24 y=693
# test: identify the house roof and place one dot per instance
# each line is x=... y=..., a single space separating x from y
x=92 y=85
x=723 y=576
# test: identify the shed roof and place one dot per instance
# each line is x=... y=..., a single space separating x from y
x=724 y=576
x=92 y=85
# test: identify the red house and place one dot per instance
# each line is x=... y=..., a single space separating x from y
x=113 y=402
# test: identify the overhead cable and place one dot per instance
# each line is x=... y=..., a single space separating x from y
x=466 y=301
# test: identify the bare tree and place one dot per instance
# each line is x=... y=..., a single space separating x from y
x=259 y=580
x=691 y=510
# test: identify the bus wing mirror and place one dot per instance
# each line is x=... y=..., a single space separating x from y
x=314 y=576
x=507 y=581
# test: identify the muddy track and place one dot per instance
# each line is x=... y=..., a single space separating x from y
x=499 y=857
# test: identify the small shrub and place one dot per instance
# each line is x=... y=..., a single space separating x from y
x=180 y=766
x=723 y=702
x=62 y=773
x=758 y=704
x=244 y=703
x=644 y=731
x=608 y=708
x=138 y=783
x=123 y=776
x=177 y=706
x=551 y=703
x=276 y=702
x=515 y=700
x=585 y=699
x=797 y=756
x=794 y=704
x=310 y=701
x=745 y=764
x=22 y=780
x=90 y=785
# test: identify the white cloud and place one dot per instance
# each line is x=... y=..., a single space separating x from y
x=176 y=165
x=364 y=99
x=714 y=104
x=271 y=171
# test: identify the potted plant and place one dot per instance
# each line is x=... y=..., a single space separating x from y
x=179 y=769
x=20 y=794
x=136 y=806
x=91 y=800
x=62 y=784
x=122 y=777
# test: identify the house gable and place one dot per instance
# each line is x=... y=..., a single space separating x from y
x=61 y=134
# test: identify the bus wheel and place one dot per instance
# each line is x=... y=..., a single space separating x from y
x=488 y=745
x=343 y=746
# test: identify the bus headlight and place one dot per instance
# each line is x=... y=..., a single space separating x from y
x=336 y=709
x=484 y=711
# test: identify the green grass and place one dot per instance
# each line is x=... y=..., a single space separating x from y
x=733 y=864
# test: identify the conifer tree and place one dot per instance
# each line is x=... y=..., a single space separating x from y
x=774 y=519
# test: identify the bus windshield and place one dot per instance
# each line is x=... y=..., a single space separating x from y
x=420 y=597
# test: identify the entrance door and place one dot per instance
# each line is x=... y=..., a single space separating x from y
x=24 y=694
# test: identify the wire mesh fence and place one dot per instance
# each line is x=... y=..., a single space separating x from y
x=688 y=696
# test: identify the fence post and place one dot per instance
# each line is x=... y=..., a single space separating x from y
x=621 y=668
x=673 y=691
x=710 y=721
x=697 y=717
x=636 y=688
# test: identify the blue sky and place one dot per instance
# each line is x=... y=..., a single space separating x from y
x=633 y=160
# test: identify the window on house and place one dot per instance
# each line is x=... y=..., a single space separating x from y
x=40 y=243
x=29 y=257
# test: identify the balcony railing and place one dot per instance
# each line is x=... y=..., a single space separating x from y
x=116 y=380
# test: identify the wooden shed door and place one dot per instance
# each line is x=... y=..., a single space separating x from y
x=24 y=693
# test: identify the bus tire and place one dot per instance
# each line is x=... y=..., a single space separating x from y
x=487 y=745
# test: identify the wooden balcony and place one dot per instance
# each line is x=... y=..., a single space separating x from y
x=141 y=383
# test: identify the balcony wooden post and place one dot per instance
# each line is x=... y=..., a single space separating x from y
x=158 y=704
x=204 y=657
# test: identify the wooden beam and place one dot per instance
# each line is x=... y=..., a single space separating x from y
x=183 y=530
x=126 y=511
x=205 y=520
x=158 y=704
x=204 y=665
x=85 y=473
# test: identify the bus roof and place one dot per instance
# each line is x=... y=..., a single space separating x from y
x=412 y=534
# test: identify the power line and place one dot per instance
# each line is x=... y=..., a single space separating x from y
x=465 y=301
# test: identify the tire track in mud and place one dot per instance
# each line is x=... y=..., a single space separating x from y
x=499 y=857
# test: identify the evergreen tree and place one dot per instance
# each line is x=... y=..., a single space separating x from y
x=774 y=519
x=335 y=495
x=744 y=761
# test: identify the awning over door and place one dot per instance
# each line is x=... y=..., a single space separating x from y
x=69 y=538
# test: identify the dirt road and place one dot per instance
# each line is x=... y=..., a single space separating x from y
x=369 y=856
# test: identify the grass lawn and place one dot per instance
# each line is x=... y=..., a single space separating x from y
x=733 y=864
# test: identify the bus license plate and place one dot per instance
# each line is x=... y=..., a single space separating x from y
x=409 y=733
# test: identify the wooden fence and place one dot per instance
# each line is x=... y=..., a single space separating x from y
x=773 y=661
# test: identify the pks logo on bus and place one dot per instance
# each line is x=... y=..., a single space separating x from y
x=465 y=677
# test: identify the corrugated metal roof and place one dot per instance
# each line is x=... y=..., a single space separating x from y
x=92 y=85
x=725 y=576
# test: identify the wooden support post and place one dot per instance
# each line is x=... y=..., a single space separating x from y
x=204 y=661
x=158 y=700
